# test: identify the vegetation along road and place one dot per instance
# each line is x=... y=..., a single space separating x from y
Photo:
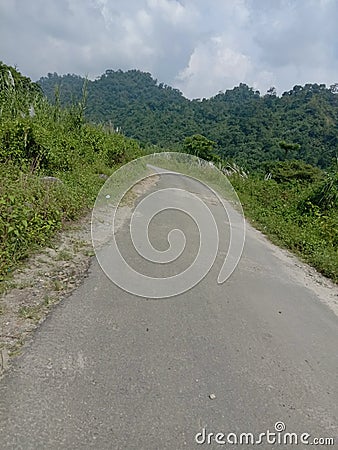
x=108 y=369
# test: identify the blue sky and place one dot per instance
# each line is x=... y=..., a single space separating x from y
x=199 y=46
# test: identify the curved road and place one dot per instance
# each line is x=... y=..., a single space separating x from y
x=108 y=370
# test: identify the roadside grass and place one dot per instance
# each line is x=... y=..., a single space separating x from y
x=283 y=212
x=31 y=211
x=52 y=166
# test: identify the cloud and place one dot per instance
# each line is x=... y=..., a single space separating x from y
x=171 y=11
x=213 y=64
x=200 y=47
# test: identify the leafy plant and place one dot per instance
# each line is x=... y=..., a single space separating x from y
x=324 y=197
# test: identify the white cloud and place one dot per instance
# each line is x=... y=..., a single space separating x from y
x=170 y=10
x=211 y=65
x=201 y=47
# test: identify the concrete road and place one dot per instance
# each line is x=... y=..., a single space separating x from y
x=109 y=370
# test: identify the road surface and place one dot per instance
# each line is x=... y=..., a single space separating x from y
x=110 y=370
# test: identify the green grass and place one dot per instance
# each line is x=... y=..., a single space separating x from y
x=277 y=209
x=53 y=142
x=63 y=255
x=31 y=312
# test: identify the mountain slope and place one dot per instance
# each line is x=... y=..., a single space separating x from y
x=245 y=125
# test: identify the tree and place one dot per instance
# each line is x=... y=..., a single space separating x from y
x=293 y=170
x=288 y=147
x=200 y=146
x=272 y=91
x=245 y=125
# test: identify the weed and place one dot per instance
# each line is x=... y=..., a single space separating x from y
x=31 y=312
x=64 y=255
x=16 y=349
x=78 y=245
x=57 y=285
x=48 y=301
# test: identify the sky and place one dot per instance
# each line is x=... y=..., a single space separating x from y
x=201 y=47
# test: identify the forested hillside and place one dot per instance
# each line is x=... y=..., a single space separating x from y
x=246 y=126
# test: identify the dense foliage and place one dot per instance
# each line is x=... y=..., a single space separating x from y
x=247 y=127
x=299 y=213
x=52 y=165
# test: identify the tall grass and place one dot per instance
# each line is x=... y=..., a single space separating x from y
x=39 y=140
x=299 y=215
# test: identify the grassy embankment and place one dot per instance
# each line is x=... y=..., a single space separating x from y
x=39 y=140
x=297 y=209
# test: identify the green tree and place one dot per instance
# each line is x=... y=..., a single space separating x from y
x=200 y=146
x=288 y=147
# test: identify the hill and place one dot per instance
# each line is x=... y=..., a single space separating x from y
x=246 y=126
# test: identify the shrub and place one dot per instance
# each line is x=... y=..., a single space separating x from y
x=293 y=170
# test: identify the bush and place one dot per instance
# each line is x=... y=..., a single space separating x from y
x=293 y=170
x=324 y=197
